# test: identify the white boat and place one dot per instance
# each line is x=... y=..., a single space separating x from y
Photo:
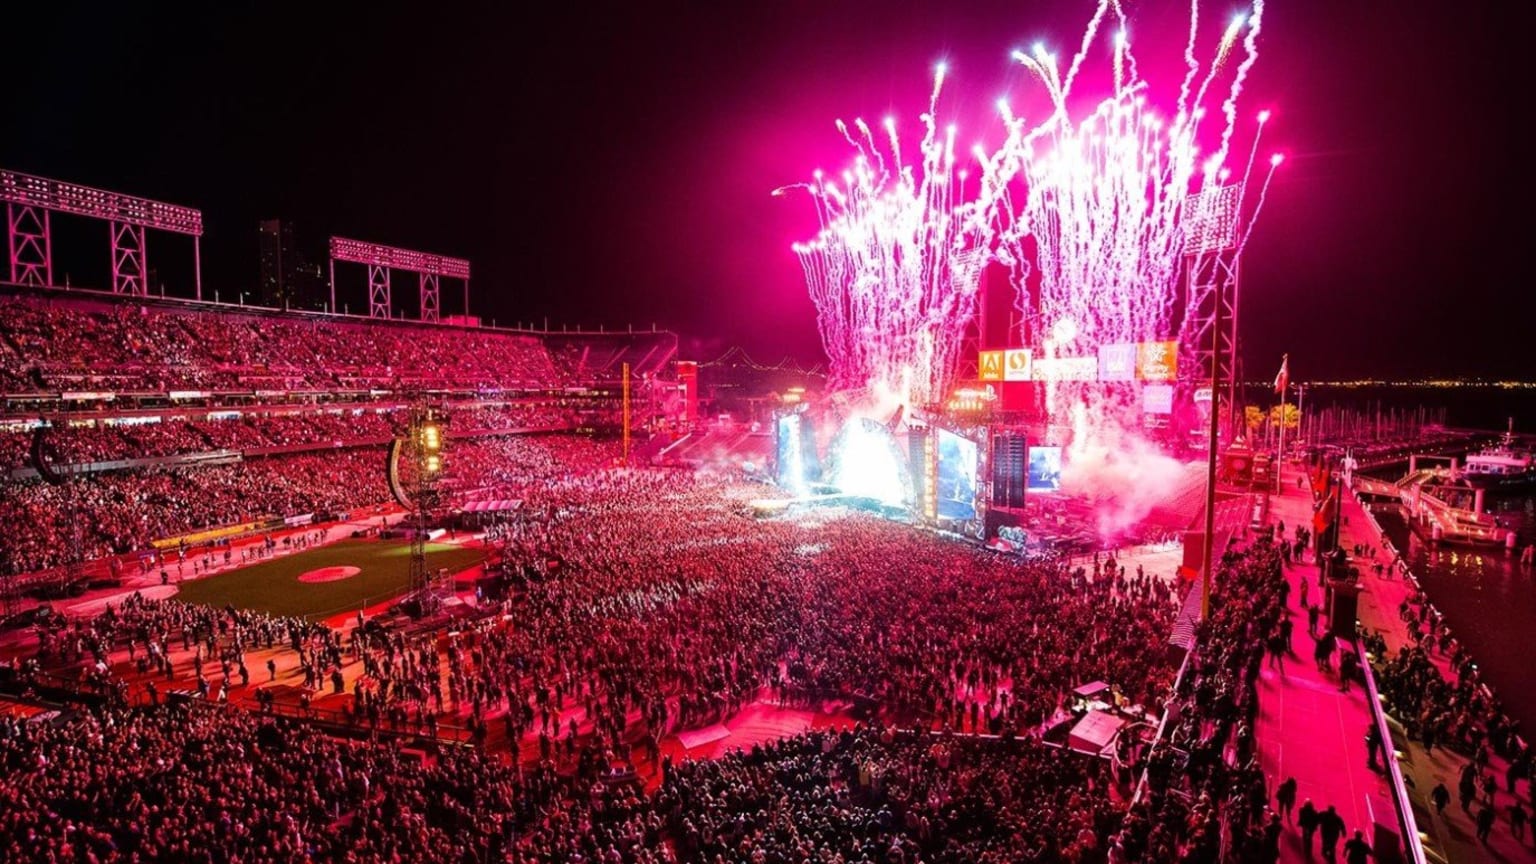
x=1504 y=465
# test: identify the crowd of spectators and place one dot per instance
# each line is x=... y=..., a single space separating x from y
x=117 y=512
x=1456 y=712
x=1204 y=778
x=147 y=629
x=631 y=637
x=73 y=344
x=124 y=511
x=96 y=441
x=652 y=601
x=873 y=794
x=197 y=783
x=1453 y=712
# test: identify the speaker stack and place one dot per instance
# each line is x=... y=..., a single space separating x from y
x=1010 y=469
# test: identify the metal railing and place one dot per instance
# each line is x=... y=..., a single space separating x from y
x=1406 y=824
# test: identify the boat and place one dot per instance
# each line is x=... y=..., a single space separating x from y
x=1505 y=465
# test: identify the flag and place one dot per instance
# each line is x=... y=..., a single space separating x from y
x=1283 y=377
x=1324 y=518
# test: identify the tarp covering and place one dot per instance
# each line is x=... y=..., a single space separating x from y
x=491 y=506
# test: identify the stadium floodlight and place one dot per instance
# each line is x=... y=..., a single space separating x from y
x=361 y=252
x=381 y=259
x=29 y=201
x=29 y=191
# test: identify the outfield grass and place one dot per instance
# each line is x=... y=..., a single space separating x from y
x=274 y=586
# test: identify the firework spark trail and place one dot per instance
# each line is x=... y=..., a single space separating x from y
x=1192 y=64
x=1096 y=205
x=1274 y=162
x=1223 y=51
x=1103 y=223
x=1251 y=50
x=1105 y=194
x=894 y=269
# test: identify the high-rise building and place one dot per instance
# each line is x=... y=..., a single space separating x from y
x=279 y=261
x=289 y=279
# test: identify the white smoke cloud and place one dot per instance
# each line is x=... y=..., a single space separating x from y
x=1110 y=464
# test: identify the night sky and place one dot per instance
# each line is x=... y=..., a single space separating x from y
x=614 y=166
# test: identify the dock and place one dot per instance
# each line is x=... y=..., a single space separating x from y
x=1436 y=508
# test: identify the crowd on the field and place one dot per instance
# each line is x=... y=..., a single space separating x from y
x=198 y=783
x=651 y=602
x=654 y=604
x=646 y=602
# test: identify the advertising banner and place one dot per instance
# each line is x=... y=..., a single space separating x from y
x=1157 y=361
x=1066 y=369
x=989 y=366
x=203 y=536
x=1117 y=362
x=1157 y=399
x=1018 y=365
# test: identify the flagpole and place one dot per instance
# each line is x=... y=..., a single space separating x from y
x=1280 y=454
x=1301 y=417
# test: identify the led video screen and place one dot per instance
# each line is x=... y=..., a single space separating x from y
x=789 y=463
x=1044 y=469
x=959 y=459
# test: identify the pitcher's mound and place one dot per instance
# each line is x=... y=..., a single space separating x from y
x=328 y=574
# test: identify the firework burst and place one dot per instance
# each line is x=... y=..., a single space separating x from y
x=893 y=271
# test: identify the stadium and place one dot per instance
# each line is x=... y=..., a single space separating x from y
x=341 y=569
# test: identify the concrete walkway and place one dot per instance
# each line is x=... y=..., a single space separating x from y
x=1310 y=730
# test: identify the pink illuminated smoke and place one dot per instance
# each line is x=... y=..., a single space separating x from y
x=1093 y=208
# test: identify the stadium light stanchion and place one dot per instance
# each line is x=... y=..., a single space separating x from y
x=1210 y=471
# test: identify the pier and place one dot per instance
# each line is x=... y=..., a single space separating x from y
x=1435 y=507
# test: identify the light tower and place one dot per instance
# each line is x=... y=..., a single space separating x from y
x=1210 y=328
x=1209 y=334
x=416 y=462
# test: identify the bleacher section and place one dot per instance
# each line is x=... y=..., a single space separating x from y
x=62 y=343
x=124 y=421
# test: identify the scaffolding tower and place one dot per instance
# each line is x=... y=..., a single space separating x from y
x=424 y=440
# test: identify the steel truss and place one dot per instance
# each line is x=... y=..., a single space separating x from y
x=129 y=274
x=431 y=295
x=382 y=260
x=428 y=588
x=378 y=291
x=30 y=201
x=31 y=245
x=1210 y=282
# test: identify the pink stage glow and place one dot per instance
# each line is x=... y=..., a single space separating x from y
x=1091 y=207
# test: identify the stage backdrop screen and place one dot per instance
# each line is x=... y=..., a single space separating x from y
x=959 y=459
x=790 y=467
x=1044 y=469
